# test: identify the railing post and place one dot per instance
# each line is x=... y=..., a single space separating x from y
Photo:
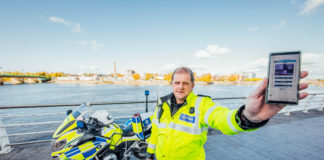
x=147 y=92
x=320 y=108
x=287 y=112
x=306 y=106
x=4 y=140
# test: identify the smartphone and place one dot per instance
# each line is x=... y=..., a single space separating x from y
x=283 y=78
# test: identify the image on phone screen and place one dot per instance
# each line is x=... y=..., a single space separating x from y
x=283 y=78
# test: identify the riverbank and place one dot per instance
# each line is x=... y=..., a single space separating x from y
x=166 y=83
x=125 y=82
x=152 y=82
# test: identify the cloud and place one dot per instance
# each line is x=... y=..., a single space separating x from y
x=281 y=24
x=59 y=20
x=195 y=68
x=311 y=62
x=95 y=46
x=258 y=66
x=212 y=50
x=253 y=28
x=310 y=6
x=75 y=27
x=171 y=67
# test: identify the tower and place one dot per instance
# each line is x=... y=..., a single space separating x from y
x=115 y=73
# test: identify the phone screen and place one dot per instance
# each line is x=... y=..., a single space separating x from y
x=283 y=78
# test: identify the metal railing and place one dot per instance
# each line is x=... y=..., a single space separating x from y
x=316 y=98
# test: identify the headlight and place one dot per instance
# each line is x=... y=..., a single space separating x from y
x=58 y=145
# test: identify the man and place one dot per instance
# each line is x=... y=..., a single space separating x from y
x=181 y=120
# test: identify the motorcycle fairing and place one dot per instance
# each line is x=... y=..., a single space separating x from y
x=87 y=150
x=68 y=124
x=70 y=137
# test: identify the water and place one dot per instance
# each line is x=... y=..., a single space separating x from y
x=48 y=93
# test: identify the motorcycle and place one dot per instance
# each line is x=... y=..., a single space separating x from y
x=92 y=135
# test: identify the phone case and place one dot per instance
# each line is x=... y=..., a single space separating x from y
x=283 y=102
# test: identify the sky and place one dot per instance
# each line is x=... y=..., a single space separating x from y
x=209 y=36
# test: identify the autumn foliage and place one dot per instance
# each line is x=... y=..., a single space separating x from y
x=149 y=76
x=205 y=78
x=136 y=76
x=232 y=77
x=167 y=77
x=46 y=74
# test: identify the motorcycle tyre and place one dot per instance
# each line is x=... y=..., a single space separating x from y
x=140 y=155
x=112 y=154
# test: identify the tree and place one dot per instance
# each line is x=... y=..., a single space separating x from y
x=206 y=77
x=167 y=77
x=148 y=76
x=136 y=76
x=232 y=77
x=120 y=75
x=42 y=73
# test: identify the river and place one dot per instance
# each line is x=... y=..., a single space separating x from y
x=49 y=93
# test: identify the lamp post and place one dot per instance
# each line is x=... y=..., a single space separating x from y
x=147 y=92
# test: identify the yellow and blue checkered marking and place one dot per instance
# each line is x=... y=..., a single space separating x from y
x=137 y=126
x=87 y=150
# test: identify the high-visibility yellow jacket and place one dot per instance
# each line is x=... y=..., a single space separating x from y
x=183 y=135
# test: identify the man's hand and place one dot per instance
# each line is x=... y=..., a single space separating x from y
x=257 y=110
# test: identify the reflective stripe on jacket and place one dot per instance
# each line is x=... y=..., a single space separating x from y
x=183 y=135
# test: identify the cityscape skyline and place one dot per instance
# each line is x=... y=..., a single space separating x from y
x=156 y=37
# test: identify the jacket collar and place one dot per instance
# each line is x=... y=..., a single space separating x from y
x=189 y=99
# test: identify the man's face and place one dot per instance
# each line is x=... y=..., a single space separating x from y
x=181 y=86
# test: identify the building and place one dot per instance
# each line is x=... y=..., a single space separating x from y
x=129 y=74
x=70 y=78
x=85 y=78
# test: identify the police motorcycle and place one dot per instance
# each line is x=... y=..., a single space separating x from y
x=92 y=135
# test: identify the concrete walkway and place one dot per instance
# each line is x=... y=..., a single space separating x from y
x=299 y=136
x=300 y=139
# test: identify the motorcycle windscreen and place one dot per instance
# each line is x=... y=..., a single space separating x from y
x=138 y=126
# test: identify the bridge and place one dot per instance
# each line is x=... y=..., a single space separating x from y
x=20 y=79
